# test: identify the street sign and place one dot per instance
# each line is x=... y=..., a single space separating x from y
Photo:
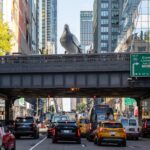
x=140 y=65
x=129 y=101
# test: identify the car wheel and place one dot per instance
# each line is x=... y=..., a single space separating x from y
x=99 y=141
x=2 y=148
x=137 y=138
x=79 y=141
x=36 y=135
x=95 y=140
x=54 y=140
x=17 y=136
x=124 y=144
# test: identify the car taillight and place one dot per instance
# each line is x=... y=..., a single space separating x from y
x=145 y=124
x=90 y=126
x=33 y=125
x=121 y=130
x=54 y=132
x=78 y=132
x=103 y=130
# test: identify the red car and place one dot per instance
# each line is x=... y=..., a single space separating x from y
x=7 y=139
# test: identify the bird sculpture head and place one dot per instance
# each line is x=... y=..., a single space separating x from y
x=66 y=28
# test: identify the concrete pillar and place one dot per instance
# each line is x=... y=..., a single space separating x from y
x=8 y=109
x=139 y=105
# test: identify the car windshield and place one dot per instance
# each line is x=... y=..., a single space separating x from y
x=124 y=122
x=132 y=122
x=112 y=125
x=24 y=120
x=100 y=117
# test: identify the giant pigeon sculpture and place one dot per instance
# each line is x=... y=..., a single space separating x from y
x=70 y=42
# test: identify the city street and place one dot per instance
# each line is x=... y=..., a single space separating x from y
x=45 y=144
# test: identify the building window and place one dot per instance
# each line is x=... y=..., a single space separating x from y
x=104 y=37
x=104 y=29
x=103 y=45
x=114 y=29
x=104 y=5
x=104 y=21
x=141 y=49
x=115 y=13
x=104 y=13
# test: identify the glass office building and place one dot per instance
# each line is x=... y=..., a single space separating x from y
x=86 y=30
x=106 y=25
x=134 y=27
x=47 y=26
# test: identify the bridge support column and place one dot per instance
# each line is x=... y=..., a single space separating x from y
x=139 y=105
x=9 y=109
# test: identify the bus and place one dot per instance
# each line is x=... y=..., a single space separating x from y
x=97 y=114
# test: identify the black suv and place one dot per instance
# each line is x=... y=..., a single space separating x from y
x=66 y=131
x=26 y=126
x=145 y=128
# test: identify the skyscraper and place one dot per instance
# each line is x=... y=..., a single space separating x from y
x=106 y=25
x=86 y=29
x=47 y=26
x=33 y=26
x=134 y=26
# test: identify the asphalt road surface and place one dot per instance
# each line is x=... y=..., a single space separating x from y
x=43 y=143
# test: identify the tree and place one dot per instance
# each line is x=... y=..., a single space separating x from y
x=51 y=108
x=81 y=107
x=147 y=36
x=5 y=37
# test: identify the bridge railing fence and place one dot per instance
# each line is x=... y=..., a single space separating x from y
x=46 y=59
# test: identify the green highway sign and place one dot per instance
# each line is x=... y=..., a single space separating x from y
x=129 y=101
x=140 y=65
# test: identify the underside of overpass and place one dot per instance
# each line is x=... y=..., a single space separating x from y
x=76 y=92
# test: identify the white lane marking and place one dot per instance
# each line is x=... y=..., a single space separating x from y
x=83 y=145
x=132 y=147
x=38 y=143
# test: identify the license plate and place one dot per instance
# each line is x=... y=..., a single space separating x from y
x=112 y=133
x=131 y=129
x=66 y=131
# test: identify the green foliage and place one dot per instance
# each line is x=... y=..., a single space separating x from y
x=5 y=38
x=81 y=107
x=51 y=108
x=147 y=36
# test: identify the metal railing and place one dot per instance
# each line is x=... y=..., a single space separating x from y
x=46 y=59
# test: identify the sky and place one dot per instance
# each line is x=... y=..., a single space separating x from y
x=69 y=13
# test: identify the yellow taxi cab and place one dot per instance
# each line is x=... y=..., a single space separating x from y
x=83 y=124
x=110 y=132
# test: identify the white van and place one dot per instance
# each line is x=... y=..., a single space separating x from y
x=131 y=126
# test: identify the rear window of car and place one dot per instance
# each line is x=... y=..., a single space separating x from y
x=24 y=120
x=66 y=123
x=84 y=121
x=112 y=125
x=124 y=122
x=59 y=118
x=132 y=122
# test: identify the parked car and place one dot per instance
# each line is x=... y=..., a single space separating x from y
x=54 y=120
x=66 y=131
x=145 y=131
x=131 y=127
x=7 y=139
x=110 y=132
x=26 y=126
